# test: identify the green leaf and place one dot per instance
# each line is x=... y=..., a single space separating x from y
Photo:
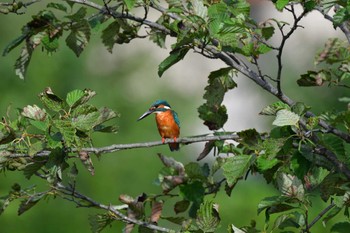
x=30 y=202
x=36 y=147
x=22 y=62
x=208 y=216
x=292 y=219
x=73 y=97
x=331 y=214
x=272 y=109
x=51 y=100
x=341 y=227
x=32 y=168
x=175 y=56
x=196 y=172
x=13 y=44
x=280 y=4
x=340 y=16
x=50 y=43
x=214 y=117
x=181 y=206
x=57 y=6
x=109 y=35
x=236 y=167
x=106 y=114
x=79 y=37
x=313 y=78
x=67 y=130
x=274 y=204
x=79 y=15
x=285 y=117
x=129 y=4
x=86 y=122
x=267 y=32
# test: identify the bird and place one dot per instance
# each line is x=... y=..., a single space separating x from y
x=167 y=122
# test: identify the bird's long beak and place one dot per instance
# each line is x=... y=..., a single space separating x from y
x=145 y=114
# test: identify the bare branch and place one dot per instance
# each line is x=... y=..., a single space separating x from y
x=318 y=217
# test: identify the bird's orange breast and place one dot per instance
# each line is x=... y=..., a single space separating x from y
x=167 y=126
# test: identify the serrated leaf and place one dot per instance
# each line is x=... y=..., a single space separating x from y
x=79 y=37
x=73 y=97
x=34 y=112
x=41 y=125
x=86 y=122
x=67 y=130
x=109 y=35
x=106 y=114
x=33 y=167
x=237 y=166
x=30 y=202
x=293 y=219
x=285 y=117
x=174 y=57
x=208 y=216
x=193 y=192
x=79 y=15
x=36 y=147
x=214 y=116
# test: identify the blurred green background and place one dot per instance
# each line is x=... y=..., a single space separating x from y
x=127 y=82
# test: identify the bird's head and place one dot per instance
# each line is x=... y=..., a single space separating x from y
x=157 y=107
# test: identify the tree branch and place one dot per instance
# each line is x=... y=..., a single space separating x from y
x=67 y=191
x=318 y=217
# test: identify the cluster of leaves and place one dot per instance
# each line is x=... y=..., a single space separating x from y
x=40 y=140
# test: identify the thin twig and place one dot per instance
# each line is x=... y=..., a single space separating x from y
x=65 y=190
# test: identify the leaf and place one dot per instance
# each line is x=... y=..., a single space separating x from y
x=99 y=222
x=341 y=227
x=13 y=44
x=285 y=117
x=50 y=100
x=175 y=56
x=196 y=172
x=57 y=6
x=313 y=78
x=267 y=32
x=30 y=202
x=67 y=130
x=73 y=97
x=214 y=116
x=34 y=112
x=79 y=37
x=109 y=35
x=36 y=147
x=274 y=204
x=32 y=168
x=157 y=207
x=290 y=186
x=199 y=9
x=22 y=62
x=280 y=4
x=237 y=166
x=193 y=192
x=292 y=219
x=106 y=114
x=181 y=206
x=272 y=109
x=129 y=4
x=86 y=122
x=208 y=216
x=41 y=125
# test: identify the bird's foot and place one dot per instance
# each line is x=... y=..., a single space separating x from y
x=175 y=138
x=163 y=140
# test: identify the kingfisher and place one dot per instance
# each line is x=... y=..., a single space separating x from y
x=167 y=122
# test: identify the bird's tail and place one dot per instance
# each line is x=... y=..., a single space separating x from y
x=174 y=146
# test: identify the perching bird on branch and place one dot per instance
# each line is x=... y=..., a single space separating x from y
x=167 y=122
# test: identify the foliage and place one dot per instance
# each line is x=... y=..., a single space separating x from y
x=302 y=155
